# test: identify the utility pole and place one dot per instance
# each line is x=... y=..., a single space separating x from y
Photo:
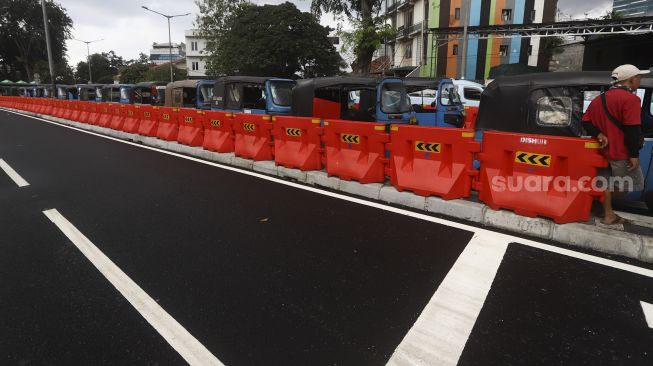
x=466 y=9
x=49 y=47
x=169 y=37
x=88 y=57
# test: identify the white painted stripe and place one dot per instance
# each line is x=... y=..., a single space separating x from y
x=442 y=330
x=174 y=333
x=648 y=313
x=474 y=229
x=12 y=174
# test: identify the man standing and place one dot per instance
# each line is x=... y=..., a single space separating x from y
x=614 y=119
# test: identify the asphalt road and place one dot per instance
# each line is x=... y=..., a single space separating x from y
x=264 y=273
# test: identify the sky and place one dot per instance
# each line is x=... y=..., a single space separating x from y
x=129 y=30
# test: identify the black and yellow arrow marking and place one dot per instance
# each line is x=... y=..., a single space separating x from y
x=533 y=159
x=249 y=127
x=188 y=119
x=166 y=116
x=216 y=123
x=422 y=146
x=295 y=132
x=351 y=139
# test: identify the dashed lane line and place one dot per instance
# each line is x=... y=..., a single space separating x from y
x=12 y=174
x=648 y=313
x=174 y=333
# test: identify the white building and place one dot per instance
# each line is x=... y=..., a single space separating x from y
x=195 y=54
x=160 y=52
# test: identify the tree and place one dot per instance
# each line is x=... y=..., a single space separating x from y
x=370 y=28
x=134 y=73
x=274 y=40
x=22 y=37
x=211 y=20
x=162 y=73
x=104 y=66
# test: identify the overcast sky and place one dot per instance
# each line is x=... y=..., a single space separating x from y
x=128 y=30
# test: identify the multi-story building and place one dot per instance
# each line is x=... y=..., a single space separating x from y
x=406 y=51
x=160 y=52
x=195 y=54
x=630 y=8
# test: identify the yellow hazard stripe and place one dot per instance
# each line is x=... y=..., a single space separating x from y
x=592 y=145
x=379 y=128
x=468 y=134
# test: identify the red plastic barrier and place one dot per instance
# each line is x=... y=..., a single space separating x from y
x=253 y=134
x=75 y=107
x=93 y=110
x=117 y=116
x=470 y=117
x=218 y=132
x=149 y=120
x=40 y=105
x=84 y=110
x=191 y=129
x=297 y=142
x=539 y=175
x=68 y=109
x=355 y=150
x=57 y=108
x=106 y=114
x=132 y=118
x=168 y=124
x=49 y=106
x=433 y=161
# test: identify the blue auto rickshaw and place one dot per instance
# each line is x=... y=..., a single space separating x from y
x=67 y=92
x=354 y=98
x=253 y=94
x=189 y=94
x=88 y=92
x=435 y=102
x=149 y=92
x=116 y=93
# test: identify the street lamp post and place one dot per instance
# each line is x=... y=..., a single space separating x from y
x=88 y=57
x=49 y=48
x=169 y=37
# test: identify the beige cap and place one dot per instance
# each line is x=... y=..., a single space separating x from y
x=625 y=72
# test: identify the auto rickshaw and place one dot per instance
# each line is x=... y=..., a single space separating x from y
x=152 y=93
x=87 y=92
x=354 y=98
x=189 y=94
x=116 y=93
x=253 y=94
x=67 y=92
x=553 y=104
x=435 y=102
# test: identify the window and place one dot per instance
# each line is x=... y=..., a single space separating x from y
x=503 y=50
x=193 y=46
x=554 y=111
x=281 y=92
x=195 y=65
x=455 y=49
x=449 y=95
x=394 y=98
x=532 y=15
x=408 y=18
x=506 y=15
x=456 y=14
x=530 y=50
x=409 y=50
x=472 y=93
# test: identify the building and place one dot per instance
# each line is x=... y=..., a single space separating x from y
x=630 y=8
x=160 y=52
x=195 y=54
x=415 y=49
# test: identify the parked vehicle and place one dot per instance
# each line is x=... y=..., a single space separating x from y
x=87 y=92
x=469 y=92
x=116 y=93
x=553 y=104
x=67 y=92
x=354 y=98
x=189 y=94
x=435 y=102
x=149 y=92
x=252 y=94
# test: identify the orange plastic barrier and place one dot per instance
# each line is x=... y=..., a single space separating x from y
x=297 y=142
x=83 y=112
x=433 y=161
x=76 y=110
x=49 y=106
x=106 y=114
x=355 y=150
x=68 y=109
x=539 y=175
x=191 y=129
x=132 y=118
x=149 y=120
x=42 y=106
x=218 y=132
x=117 y=116
x=471 y=113
x=93 y=113
x=253 y=134
x=168 y=128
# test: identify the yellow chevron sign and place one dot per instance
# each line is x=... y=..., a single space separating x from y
x=533 y=159
x=166 y=116
x=422 y=146
x=216 y=123
x=249 y=127
x=147 y=114
x=188 y=119
x=350 y=139
x=295 y=132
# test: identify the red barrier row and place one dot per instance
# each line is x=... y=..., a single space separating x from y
x=425 y=160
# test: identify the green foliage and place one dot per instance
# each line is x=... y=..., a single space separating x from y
x=134 y=73
x=104 y=66
x=210 y=23
x=22 y=38
x=162 y=73
x=273 y=40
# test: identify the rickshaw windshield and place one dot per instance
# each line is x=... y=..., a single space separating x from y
x=207 y=93
x=449 y=95
x=124 y=93
x=281 y=92
x=98 y=92
x=62 y=92
x=394 y=99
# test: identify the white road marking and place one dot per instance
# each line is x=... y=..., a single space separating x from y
x=12 y=174
x=419 y=216
x=648 y=313
x=442 y=330
x=174 y=333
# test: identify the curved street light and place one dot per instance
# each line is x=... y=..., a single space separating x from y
x=169 y=37
x=88 y=57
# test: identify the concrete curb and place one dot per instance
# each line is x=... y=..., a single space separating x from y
x=577 y=234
